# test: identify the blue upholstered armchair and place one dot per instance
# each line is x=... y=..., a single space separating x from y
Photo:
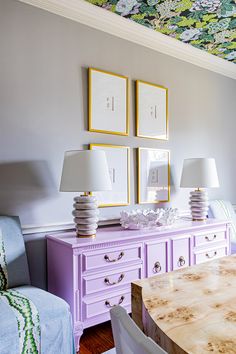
x=223 y=209
x=32 y=321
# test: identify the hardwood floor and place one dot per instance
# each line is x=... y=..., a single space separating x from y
x=97 y=339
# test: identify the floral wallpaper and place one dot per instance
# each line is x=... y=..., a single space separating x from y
x=209 y=25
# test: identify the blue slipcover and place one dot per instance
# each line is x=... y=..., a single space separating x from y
x=54 y=314
x=223 y=209
x=55 y=323
x=17 y=265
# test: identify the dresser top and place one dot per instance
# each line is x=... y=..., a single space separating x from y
x=117 y=233
x=194 y=307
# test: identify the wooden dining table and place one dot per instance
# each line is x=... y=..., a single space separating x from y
x=192 y=310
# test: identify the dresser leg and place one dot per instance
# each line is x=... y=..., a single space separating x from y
x=78 y=331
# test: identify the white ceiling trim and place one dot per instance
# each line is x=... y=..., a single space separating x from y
x=93 y=16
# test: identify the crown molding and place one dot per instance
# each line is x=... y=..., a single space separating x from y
x=106 y=21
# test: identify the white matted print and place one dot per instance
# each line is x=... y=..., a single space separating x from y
x=151 y=111
x=108 y=103
x=118 y=158
x=153 y=175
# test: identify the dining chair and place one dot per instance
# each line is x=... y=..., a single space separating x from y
x=128 y=338
x=31 y=319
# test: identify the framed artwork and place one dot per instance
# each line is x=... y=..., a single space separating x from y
x=153 y=175
x=108 y=103
x=118 y=158
x=151 y=111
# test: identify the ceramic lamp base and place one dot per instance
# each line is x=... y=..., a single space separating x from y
x=199 y=204
x=85 y=215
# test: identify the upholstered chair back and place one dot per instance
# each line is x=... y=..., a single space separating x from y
x=128 y=338
x=14 y=269
x=223 y=209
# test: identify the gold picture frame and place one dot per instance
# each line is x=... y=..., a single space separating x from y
x=115 y=170
x=145 y=177
x=151 y=102
x=102 y=106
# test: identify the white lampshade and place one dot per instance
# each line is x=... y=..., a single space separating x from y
x=199 y=173
x=85 y=171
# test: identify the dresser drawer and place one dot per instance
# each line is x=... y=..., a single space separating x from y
x=98 y=306
x=181 y=252
x=111 y=256
x=210 y=254
x=207 y=239
x=110 y=280
x=157 y=257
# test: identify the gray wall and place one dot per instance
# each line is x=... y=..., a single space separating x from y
x=43 y=111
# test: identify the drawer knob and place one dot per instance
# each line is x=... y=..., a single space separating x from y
x=181 y=261
x=210 y=239
x=107 y=281
x=211 y=256
x=157 y=267
x=107 y=258
x=108 y=304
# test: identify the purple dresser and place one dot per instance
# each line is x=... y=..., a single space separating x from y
x=93 y=275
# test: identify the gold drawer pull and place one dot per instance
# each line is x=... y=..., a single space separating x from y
x=107 y=281
x=107 y=258
x=108 y=304
x=210 y=239
x=212 y=256
x=157 y=267
x=181 y=261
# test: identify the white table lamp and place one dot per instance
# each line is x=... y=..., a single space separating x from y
x=85 y=171
x=199 y=173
